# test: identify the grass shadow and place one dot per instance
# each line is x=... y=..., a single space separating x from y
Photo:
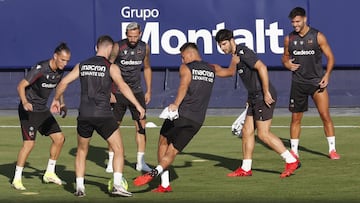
x=287 y=144
x=302 y=148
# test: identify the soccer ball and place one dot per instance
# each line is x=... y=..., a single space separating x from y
x=124 y=183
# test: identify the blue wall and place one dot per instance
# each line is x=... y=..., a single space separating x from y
x=227 y=93
x=32 y=28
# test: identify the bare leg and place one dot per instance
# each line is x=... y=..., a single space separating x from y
x=81 y=154
x=58 y=140
x=322 y=103
x=24 y=152
x=115 y=142
x=248 y=138
x=141 y=145
x=264 y=134
x=295 y=127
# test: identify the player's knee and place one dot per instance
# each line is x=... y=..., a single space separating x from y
x=58 y=138
x=142 y=131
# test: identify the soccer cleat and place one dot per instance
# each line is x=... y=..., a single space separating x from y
x=52 y=178
x=334 y=155
x=290 y=168
x=162 y=189
x=80 y=192
x=146 y=178
x=239 y=172
x=109 y=169
x=120 y=191
x=143 y=167
x=17 y=184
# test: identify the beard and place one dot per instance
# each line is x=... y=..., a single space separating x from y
x=132 y=45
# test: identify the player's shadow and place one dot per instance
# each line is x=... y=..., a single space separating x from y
x=156 y=182
x=302 y=148
x=225 y=162
x=98 y=155
x=172 y=173
x=287 y=144
x=8 y=171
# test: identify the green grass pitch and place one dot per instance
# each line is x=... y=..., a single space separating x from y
x=199 y=172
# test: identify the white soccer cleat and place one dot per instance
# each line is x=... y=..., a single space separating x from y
x=52 y=178
x=17 y=184
x=80 y=192
x=120 y=191
x=109 y=169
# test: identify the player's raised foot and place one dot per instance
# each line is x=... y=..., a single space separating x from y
x=146 y=178
x=239 y=172
x=120 y=191
x=334 y=155
x=17 y=184
x=162 y=189
x=143 y=167
x=290 y=168
x=80 y=192
x=52 y=178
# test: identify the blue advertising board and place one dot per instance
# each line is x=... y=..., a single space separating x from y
x=32 y=28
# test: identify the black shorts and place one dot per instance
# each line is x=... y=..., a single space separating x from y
x=260 y=111
x=122 y=103
x=180 y=131
x=105 y=127
x=31 y=122
x=299 y=96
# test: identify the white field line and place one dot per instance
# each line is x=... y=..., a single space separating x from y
x=205 y=126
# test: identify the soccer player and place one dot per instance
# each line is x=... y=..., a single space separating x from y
x=303 y=50
x=96 y=76
x=261 y=103
x=132 y=55
x=34 y=91
x=196 y=83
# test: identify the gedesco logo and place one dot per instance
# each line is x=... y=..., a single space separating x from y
x=48 y=85
x=164 y=41
x=303 y=52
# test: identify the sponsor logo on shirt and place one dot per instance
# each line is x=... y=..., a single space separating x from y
x=203 y=75
x=48 y=85
x=303 y=52
x=130 y=62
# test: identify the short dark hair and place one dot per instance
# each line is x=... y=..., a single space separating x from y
x=223 y=35
x=104 y=40
x=188 y=45
x=297 y=11
x=62 y=47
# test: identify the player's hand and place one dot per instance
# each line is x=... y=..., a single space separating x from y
x=235 y=59
x=268 y=99
x=55 y=106
x=141 y=111
x=173 y=107
x=293 y=66
x=147 y=97
x=112 y=98
x=28 y=106
x=63 y=111
x=324 y=81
